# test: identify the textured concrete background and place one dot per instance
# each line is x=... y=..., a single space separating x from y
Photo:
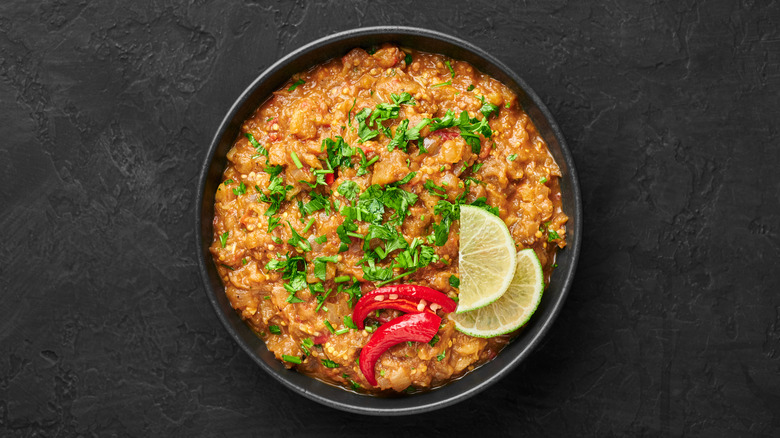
x=671 y=110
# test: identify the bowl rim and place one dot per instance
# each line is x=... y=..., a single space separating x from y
x=417 y=403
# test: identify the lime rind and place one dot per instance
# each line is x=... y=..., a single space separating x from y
x=487 y=258
x=513 y=309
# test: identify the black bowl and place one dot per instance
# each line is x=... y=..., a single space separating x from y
x=334 y=46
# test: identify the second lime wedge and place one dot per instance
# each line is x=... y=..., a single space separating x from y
x=487 y=258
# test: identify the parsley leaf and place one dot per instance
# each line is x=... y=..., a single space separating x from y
x=318 y=202
x=454 y=281
x=329 y=363
x=339 y=152
x=296 y=84
x=277 y=193
x=348 y=322
x=400 y=201
x=371 y=272
x=240 y=190
x=487 y=107
x=321 y=265
x=404 y=180
x=449 y=66
x=364 y=131
x=349 y=189
x=435 y=189
x=297 y=240
x=273 y=222
x=260 y=149
x=223 y=238
x=354 y=292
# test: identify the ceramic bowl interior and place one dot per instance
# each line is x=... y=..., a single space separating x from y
x=334 y=46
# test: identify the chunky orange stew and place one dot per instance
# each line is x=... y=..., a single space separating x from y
x=348 y=181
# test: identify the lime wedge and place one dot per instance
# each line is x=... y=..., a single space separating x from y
x=514 y=308
x=487 y=258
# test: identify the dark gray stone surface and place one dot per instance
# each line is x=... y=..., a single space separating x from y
x=671 y=110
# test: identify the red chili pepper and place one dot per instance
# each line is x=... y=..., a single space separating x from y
x=418 y=327
x=330 y=177
x=404 y=297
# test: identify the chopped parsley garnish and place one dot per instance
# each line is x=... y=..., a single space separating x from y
x=442 y=84
x=296 y=84
x=454 y=281
x=399 y=200
x=273 y=222
x=355 y=385
x=339 y=152
x=353 y=290
x=329 y=363
x=349 y=322
x=297 y=240
x=469 y=128
x=228 y=181
x=408 y=59
x=415 y=256
x=277 y=193
x=435 y=189
x=542 y=180
x=274 y=170
x=403 y=135
x=364 y=131
x=291 y=359
x=349 y=189
x=440 y=357
x=240 y=190
x=364 y=162
x=398 y=138
x=434 y=340
x=512 y=157
x=223 y=238
x=292 y=271
x=275 y=330
x=321 y=266
x=329 y=326
x=449 y=67
x=487 y=108
x=321 y=298
x=318 y=202
x=260 y=149
x=552 y=235
x=349 y=114
x=404 y=180
x=470 y=87
x=321 y=239
x=296 y=160
x=477 y=166
x=293 y=299
x=371 y=272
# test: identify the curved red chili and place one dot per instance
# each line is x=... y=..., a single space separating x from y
x=408 y=298
x=417 y=327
